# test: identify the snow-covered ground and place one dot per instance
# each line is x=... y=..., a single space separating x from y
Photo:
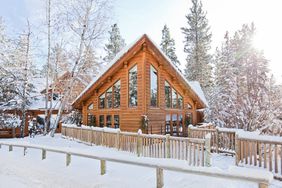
x=30 y=171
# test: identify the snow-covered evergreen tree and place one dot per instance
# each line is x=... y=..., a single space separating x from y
x=168 y=46
x=242 y=95
x=197 y=45
x=115 y=43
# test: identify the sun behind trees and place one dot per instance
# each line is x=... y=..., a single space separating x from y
x=243 y=93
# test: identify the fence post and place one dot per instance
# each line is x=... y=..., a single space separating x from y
x=167 y=145
x=237 y=150
x=217 y=139
x=43 y=154
x=68 y=159
x=103 y=167
x=10 y=148
x=91 y=136
x=189 y=132
x=263 y=185
x=208 y=150
x=139 y=143
x=14 y=132
x=160 y=177
x=118 y=140
x=25 y=148
x=102 y=137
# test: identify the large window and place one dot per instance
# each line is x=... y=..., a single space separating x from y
x=109 y=98
x=117 y=94
x=132 y=86
x=172 y=98
x=91 y=120
x=109 y=120
x=180 y=101
x=101 y=120
x=116 y=121
x=102 y=101
x=167 y=124
x=180 y=127
x=174 y=123
x=167 y=95
x=154 y=86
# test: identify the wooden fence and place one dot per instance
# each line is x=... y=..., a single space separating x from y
x=260 y=151
x=263 y=179
x=222 y=140
x=251 y=149
x=196 y=151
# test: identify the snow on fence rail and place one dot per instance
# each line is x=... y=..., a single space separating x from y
x=260 y=151
x=249 y=148
x=194 y=150
x=222 y=139
x=262 y=178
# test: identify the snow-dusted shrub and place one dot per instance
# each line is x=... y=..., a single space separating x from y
x=9 y=121
x=74 y=117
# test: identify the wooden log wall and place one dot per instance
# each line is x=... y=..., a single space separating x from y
x=130 y=117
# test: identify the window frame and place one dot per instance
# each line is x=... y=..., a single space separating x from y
x=157 y=87
x=129 y=101
x=171 y=98
x=105 y=93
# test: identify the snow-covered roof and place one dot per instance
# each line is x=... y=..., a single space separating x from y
x=108 y=66
x=195 y=86
x=38 y=103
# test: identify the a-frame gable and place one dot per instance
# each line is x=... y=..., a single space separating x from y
x=122 y=59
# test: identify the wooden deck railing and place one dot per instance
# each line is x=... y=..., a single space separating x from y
x=157 y=146
x=222 y=139
x=261 y=178
x=260 y=151
x=250 y=149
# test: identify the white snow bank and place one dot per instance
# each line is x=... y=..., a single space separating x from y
x=236 y=173
x=32 y=172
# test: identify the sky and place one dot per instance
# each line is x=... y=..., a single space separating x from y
x=135 y=17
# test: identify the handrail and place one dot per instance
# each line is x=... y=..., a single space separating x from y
x=259 y=139
x=263 y=180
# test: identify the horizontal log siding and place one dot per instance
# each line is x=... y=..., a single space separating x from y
x=130 y=118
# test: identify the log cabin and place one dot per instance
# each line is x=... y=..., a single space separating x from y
x=142 y=88
x=36 y=107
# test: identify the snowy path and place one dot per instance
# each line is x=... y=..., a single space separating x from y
x=30 y=171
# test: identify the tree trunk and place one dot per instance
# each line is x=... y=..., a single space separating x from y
x=47 y=117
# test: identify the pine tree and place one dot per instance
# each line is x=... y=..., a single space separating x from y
x=168 y=46
x=241 y=96
x=197 y=44
x=115 y=43
x=223 y=93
